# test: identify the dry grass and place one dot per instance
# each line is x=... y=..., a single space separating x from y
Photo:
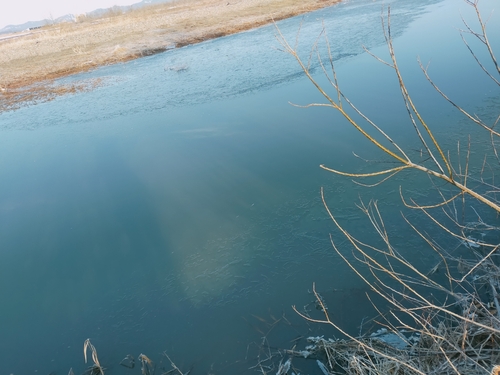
x=96 y=368
x=56 y=51
x=439 y=344
x=148 y=367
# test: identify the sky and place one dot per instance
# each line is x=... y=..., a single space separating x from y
x=16 y=12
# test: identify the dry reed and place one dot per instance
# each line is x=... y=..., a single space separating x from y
x=96 y=368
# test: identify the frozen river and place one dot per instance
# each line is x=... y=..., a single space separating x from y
x=176 y=207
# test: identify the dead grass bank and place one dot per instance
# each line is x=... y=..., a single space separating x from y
x=29 y=63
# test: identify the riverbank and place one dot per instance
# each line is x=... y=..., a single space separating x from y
x=31 y=61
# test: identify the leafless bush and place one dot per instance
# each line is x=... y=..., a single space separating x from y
x=459 y=332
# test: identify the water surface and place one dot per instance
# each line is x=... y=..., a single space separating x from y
x=176 y=208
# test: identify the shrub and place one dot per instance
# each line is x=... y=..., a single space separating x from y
x=431 y=327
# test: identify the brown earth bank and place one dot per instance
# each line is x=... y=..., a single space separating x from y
x=31 y=61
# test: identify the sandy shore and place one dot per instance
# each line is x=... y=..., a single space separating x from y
x=29 y=62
